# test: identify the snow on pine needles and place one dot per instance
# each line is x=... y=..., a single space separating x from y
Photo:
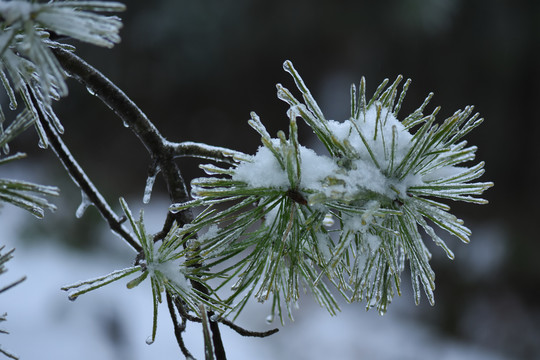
x=164 y=262
x=349 y=219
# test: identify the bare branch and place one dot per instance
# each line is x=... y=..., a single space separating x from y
x=244 y=332
x=183 y=313
x=6 y=288
x=178 y=328
x=166 y=227
x=219 y=350
x=83 y=181
x=240 y=330
x=159 y=148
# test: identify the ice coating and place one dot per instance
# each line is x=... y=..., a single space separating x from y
x=85 y=203
x=149 y=186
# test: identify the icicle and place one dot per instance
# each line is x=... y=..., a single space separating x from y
x=152 y=173
x=85 y=203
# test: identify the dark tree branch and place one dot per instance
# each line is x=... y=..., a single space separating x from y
x=240 y=330
x=183 y=313
x=166 y=227
x=82 y=180
x=158 y=147
x=11 y=356
x=244 y=332
x=178 y=328
x=219 y=351
x=6 y=288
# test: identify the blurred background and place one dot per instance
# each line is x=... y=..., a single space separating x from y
x=197 y=68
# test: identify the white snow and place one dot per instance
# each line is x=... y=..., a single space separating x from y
x=264 y=171
x=315 y=168
x=365 y=174
x=378 y=133
x=171 y=269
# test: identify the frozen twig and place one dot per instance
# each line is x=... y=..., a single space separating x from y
x=134 y=117
x=219 y=350
x=179 y=328
x=203 y=151
x=9 y=355
x=240 y=330
x=83 y=181
x=245 y=332
x=7 y=287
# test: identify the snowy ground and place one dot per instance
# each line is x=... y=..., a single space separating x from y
x=114 y=322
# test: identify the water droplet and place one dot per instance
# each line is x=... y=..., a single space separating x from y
x=149 y=340
x=126 y=125
x=90 y=91
x=214 y=318
x=236 y=285
x=174 y=209
x=270 y=319
x=72 y=297
x=328 y=220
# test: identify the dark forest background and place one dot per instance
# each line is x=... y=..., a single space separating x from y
x=198 y=67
